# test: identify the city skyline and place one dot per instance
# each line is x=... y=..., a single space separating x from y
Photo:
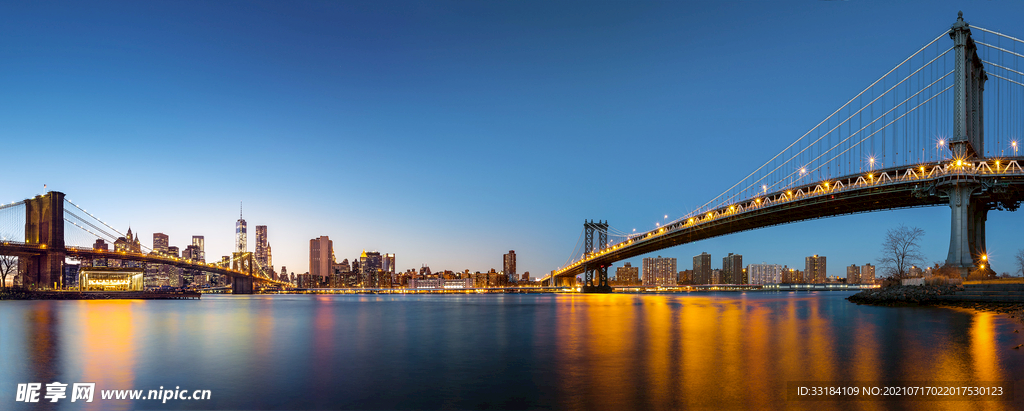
x=437 y=95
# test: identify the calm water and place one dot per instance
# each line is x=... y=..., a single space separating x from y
x=675 y=351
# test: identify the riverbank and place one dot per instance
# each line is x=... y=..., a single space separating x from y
x=941 y=296
x=22 y=294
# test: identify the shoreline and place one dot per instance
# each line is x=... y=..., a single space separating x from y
x=8 y=294
x=928 y=296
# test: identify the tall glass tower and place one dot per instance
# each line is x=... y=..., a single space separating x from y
x=240 y=246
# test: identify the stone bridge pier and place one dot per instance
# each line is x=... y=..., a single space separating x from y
x=44 y=226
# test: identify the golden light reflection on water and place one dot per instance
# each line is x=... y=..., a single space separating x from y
x=707 y=351
x=107 y=346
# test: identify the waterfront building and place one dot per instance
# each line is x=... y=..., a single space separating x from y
x=240 y=233
x=320 y=252
x=867 y=274
x=659 y=271
x=508 y=263
x=702 y=268
x=458 y=283
x=110 y=279
x=716 y=276
x=764 y=273
x=70 y=277
x=627 y=275
x=732 y=269
x=853 y=274
x=814 y=269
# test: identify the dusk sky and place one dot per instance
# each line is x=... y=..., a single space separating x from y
x=449 y=132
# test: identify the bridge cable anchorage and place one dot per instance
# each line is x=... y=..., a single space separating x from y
x=944 y=33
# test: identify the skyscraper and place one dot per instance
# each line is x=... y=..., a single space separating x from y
x=369 y=267
x=200 y=243
x=160 y=243
x=240 y=246
x=320 y=252
x=388 y=263
x=509 y=265
x=659 y=271
x=814 y=269
x=262 y=249
x=702 y=268
x=732 y=269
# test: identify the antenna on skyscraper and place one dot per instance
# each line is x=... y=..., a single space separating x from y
x=239 y=210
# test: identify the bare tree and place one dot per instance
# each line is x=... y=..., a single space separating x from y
x=900 y=251
x=1020 y=261
x=8 y=265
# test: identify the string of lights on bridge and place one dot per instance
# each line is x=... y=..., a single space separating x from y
x=905 y=136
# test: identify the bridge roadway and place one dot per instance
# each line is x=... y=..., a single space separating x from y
x=885 y=189
x=22 y=249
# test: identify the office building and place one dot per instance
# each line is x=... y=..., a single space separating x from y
x=240 y=233
x=160 y=243
x=200 y=243
x=659 y=271
x=370 y=268
x=509 y=266
x=320 y=252
x=262 y=250
x=388 y=263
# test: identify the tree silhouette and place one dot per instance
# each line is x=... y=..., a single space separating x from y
x=900 y=251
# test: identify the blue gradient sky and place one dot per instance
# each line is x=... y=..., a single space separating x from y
x=448 y=132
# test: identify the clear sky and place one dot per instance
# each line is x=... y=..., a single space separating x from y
x=449 y=132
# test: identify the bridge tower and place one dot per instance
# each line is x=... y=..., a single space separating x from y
x=601 y=270
x=44 y=226
x=242 y=262
x=969 y=198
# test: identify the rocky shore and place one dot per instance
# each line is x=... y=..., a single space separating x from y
x=904 y=294
x=928 y=295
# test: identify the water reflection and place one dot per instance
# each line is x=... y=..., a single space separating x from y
x=673 y=351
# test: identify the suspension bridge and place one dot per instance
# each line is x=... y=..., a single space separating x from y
x=47 y=229
x=913 y=138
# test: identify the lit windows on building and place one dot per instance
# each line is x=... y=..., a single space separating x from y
x=659 y=271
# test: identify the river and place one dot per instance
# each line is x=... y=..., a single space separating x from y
x=500 y=351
